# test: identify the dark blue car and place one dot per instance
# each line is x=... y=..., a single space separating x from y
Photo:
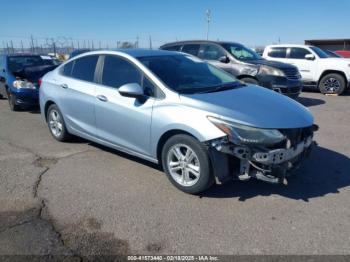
x=19 y=78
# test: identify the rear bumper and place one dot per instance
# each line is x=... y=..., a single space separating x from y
x=26 y=97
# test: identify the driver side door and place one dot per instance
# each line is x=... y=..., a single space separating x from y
x=123 y=121
x=212 y=54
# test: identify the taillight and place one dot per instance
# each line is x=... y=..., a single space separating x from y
x=39 y=82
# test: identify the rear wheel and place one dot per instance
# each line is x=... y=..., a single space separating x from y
x=12 y=102
x=332 y=84
x=56 y=124
x=187 y=165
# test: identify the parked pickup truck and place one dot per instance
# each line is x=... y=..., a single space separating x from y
x=317 y=69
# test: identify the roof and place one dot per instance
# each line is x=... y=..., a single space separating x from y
x=198 y=41
x=20 y=54
x=288 y=45
x=139 y=52
x=328 y=41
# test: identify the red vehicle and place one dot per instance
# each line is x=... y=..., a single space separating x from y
x=343 y=53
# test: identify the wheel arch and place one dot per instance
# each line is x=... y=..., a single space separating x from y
x=168 y=134
x=246 y=76
x=326 y=72
x=47 y=105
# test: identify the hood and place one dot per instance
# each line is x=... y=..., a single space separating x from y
x=33 y=73
x=254 y=106
x=275 y=64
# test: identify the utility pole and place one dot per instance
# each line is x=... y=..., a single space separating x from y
x=208 y=16
x=22 y=46
x=137 y=41
x=13 y=50
x=99 y=45
x=32 y=42
x=150 y=42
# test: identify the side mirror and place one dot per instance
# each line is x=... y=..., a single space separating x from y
x=309 y=57
x=224 y=59
x=131 y=90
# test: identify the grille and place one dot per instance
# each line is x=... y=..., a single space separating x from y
x=296 y=135
x=291 y=73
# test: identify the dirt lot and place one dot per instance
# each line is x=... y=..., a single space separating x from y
x=80 y=198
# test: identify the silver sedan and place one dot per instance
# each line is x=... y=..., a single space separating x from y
x=200 y=123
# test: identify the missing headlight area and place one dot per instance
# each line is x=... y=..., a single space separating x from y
x=269 y=163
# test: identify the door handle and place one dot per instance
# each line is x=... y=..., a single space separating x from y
x=65 y=86
x=102 y=98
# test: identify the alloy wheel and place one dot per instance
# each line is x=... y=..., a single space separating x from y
x=183 y=165
x=55 y=122
x=332 y=85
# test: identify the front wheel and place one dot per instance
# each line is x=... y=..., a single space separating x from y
x=56 y=124
x=186 y=162
x=332 y=84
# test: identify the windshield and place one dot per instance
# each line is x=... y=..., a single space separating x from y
x=16 y=63
x=331 y=54
x=320 y=53
x=241 y=52
x=187 y=74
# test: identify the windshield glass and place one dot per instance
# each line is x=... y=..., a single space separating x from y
x=16 y=63
x=319 y=52
x=331 y=54
x=241 y=52
x=187 y=74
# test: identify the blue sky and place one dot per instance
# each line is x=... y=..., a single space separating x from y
x=251 y=22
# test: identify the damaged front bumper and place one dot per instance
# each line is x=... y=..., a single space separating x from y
x=271 y=165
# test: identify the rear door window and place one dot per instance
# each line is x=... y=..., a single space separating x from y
x=278 y=52
x=67 y=69
x=172 y=48
x=191 y=49
x=84 y=68
x=298 y=53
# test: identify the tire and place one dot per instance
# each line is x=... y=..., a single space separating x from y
x=56 y=124
x=250 y=80
x=332 y=84
x=186 y=168
x=12 y=102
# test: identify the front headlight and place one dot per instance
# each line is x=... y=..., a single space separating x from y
x=246 y=135
x=23 y=84
x=268 y=70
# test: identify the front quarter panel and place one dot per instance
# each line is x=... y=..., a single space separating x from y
x=174 y=116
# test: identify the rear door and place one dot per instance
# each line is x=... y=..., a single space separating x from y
x=277 y=54
x=76 y=94
x=123 y=121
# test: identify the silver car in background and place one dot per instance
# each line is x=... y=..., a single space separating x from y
x=197 y=121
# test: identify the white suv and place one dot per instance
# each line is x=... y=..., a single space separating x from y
x=317 y=69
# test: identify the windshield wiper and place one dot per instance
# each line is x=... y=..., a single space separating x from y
x=223 y=87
